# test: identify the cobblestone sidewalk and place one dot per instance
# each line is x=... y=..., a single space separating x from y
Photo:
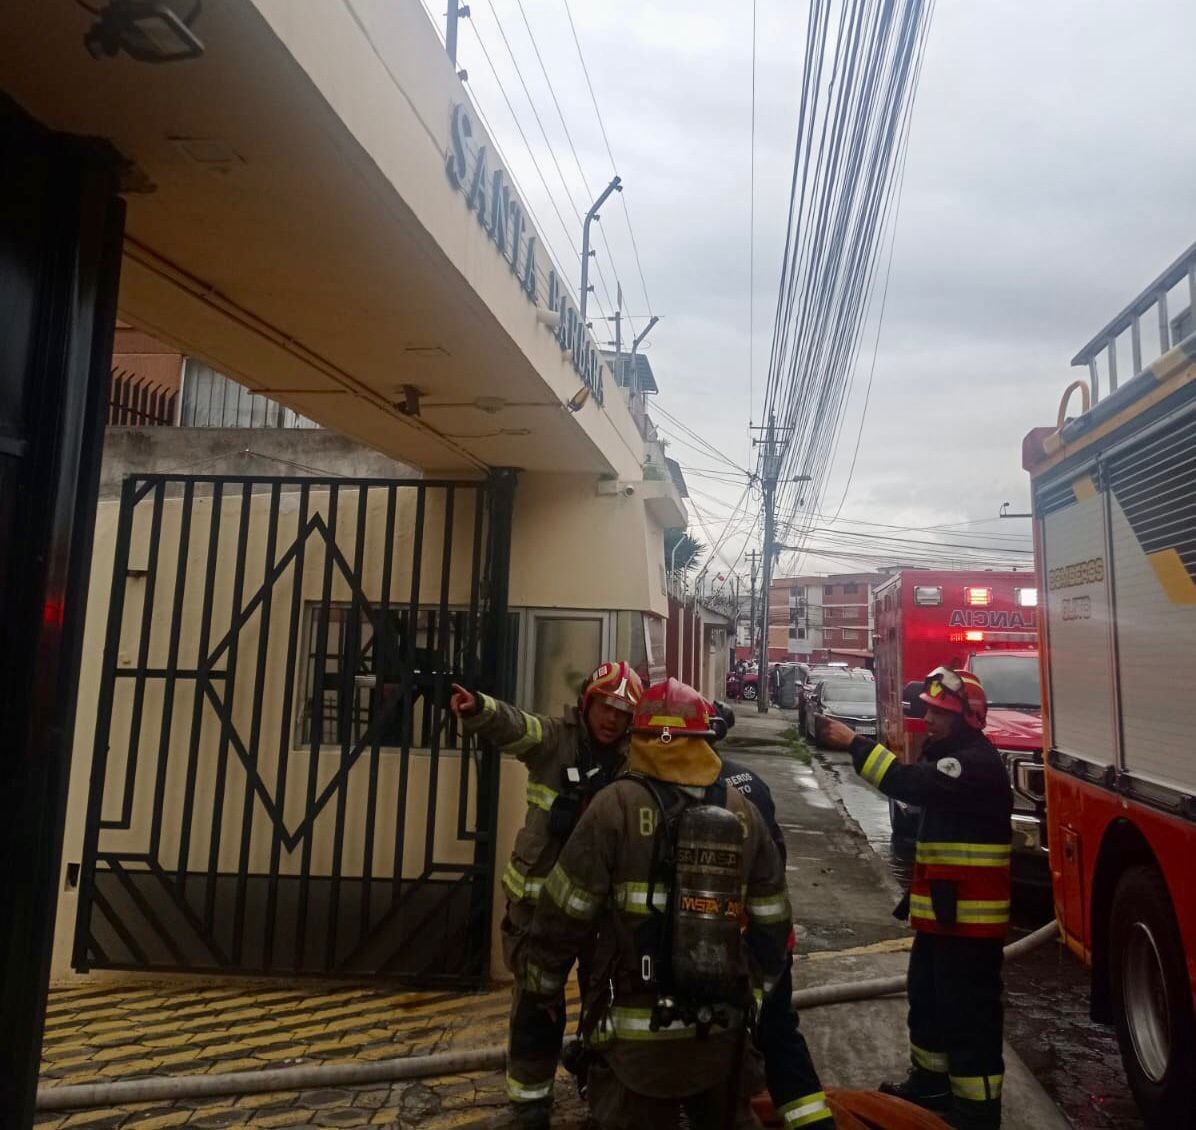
x=107 y=1030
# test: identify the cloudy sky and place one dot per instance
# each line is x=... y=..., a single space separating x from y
x=1051 y=175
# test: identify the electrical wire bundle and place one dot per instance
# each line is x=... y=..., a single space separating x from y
x=861 y=66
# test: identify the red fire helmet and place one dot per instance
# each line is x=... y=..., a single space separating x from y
x=957 y=692
x=673 y=709
x=615 y=683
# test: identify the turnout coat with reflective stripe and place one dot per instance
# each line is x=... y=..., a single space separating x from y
x=548 y=747
x=600 y=886
x=961 y=880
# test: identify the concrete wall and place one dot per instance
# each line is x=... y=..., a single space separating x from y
x=240 y=451
x=575 y=548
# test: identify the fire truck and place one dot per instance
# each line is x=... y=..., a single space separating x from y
x=985 y=622
x=1114 y=503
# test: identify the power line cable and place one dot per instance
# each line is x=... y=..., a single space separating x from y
x=610 y=153
x=547 y=142
x=572 y=147
x=752 y=245
x=530 y=151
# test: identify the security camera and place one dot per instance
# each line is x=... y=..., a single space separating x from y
x=613 y=486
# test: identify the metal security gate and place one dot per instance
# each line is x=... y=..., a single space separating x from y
x=278 y=784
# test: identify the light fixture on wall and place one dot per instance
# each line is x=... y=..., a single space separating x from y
x=578 y=401
x=149 y=31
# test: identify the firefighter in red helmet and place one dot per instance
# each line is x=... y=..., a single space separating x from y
x=958 y=903
x=664 y=869
x=568 y=760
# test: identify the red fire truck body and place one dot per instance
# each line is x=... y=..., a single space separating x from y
x=1114 y=500
x=985 y=622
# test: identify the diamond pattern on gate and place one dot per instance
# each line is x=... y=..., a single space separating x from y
x=290 y=839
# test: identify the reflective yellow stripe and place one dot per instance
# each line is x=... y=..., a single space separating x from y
x=880 y=760
x=488 y=706
x=519 y=1092
x=930 y=1061
x=963 y=855
x=537 y=979
x=636 y=1024
x=570 y=896
x=519 y=886
x=806 y=1110
x=977 y=1088
x=632 y=898
x=769 y=908
x=533 y=734
x=968 y=912
x=666 y=720
x=540 y=796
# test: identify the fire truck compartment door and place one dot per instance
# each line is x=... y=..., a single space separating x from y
x=1153 y=511
x=1078 y=618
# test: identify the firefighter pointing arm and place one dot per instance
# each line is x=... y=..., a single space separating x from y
x=958 y=902
x=656 y=876
x=568 y=760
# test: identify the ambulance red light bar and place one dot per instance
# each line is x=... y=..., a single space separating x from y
x=978 y=597
x=974 y=637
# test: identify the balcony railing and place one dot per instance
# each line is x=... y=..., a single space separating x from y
x=1179 y=278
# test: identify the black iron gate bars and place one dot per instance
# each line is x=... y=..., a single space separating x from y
x=278 y=785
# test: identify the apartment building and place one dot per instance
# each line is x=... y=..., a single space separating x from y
x=821 y=618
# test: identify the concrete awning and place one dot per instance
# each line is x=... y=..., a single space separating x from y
x=290 y=222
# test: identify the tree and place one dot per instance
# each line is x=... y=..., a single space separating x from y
x=681 y=551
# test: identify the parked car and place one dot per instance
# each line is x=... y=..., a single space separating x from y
x=742 y=686
x=814 y=675
x=844 y=699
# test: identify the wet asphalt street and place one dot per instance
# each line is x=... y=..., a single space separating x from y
x=1076 y=1061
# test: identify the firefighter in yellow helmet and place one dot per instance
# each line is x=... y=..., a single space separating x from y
x=662 y=872
x=568 y=760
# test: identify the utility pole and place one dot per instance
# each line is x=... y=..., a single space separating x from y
x=738 y=617
x=753 y=559
x=456 y=11
x=770 y=474
x=615 y=185
x=770 y=471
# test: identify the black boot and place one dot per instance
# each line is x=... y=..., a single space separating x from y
x=968 y=1115
x=523 y=1116
x=927 y=1089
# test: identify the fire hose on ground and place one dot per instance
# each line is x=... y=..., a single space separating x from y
x=165 y=1088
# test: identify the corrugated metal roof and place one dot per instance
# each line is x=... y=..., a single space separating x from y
x=643 y=370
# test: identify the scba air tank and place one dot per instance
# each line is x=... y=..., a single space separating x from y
x=707 y=961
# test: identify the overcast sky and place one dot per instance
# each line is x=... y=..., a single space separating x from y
x=1051 y=175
